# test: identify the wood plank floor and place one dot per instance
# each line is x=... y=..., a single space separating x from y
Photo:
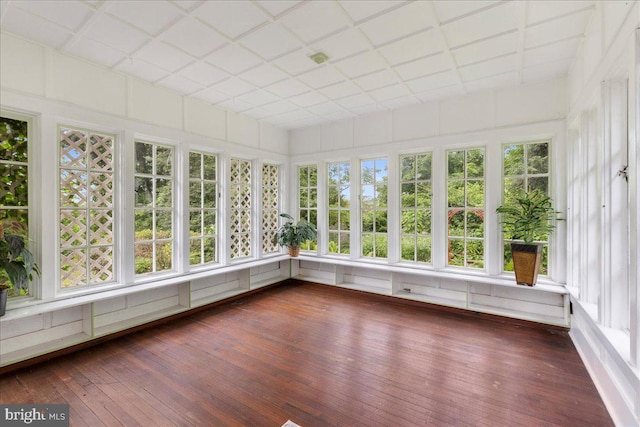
x=321 y=356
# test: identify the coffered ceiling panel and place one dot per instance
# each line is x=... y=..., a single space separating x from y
x=253 y=56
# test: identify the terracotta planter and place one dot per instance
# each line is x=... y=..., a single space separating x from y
x=526 y=262
x=294 y=252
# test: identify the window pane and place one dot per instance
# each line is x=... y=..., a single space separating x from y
x=195 y=165
x=13 y=140
x=538 y=158
x=210 y=167
x=456 y=164
x=144 y=158
x=514 y=160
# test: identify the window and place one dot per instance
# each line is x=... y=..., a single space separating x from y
x=525 y=167
x=465 y=201
x=87 y=195
x=14 y=189
x=240 y=208
x=203 y=211
x=154 y=177
x=373 y=206
x=270 y=206
x=308 y=199
x=415 y=207
x=339 y=204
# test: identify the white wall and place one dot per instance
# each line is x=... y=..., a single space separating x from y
x=604 y=227
x=34 y=70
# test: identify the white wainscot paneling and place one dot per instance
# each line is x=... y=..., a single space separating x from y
x=82 y=83
x=274 y=139
x=140 y=308
x=34 y=335
x=215 y=288
x=243 y=130
x=373 y=129
x=364 y=279
x=205 y=119
x=473 y=112
x=431 y=289
x=305 y=140
x=417 y=121
x=315 y=272
x=153 y=104
x=337 y=136
x=22 y=66
x=528 y=104
x=269 y=274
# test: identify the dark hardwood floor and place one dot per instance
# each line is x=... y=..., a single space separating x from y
x=321 y=356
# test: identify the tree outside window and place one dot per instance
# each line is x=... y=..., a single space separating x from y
x=465 y=201
x=339 y=205
x=415 y=207
x=373 y=207
x=308 y=200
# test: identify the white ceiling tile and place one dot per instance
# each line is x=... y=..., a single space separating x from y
x=497 y=20
x=70 y=15
x=488 y=68
x=486 y=49
x=257 y=113
x=340 y=90
x=203 y=73
x=211 y=95
x=321 y=77
x=417 y=46
x=288 y=88
x=95 y=51
x=180 y=84
x=425 y=66
x=306 y=123
x=355 y=101
x=367 y=109
x=432 y=82
x=538 y=11
x=551 y=52
x=345 y=43
x=452 y=91
x=270 y=41
x=277 y=7
x=398 y=23
x=233 y=59
x=376 y=80
x=314 y=20
x=325 y=108
x=389 y=92
x=163 y=55
x=448 y=10
x=258 y=97
x=263 y=75
x=364 y=63
x=558 y=29
x=193 y=37
x=403 y=101
x=186 y=4
x=142 y=69
x=235 y=105
x=360 y=10
x=546 y=71
x=492 y=82
x=151 y=16
x=295 y=63
x=279 y=107
x=34 y=27
x=116 y=34
x=308 y=99
x=232 y=18
x=233 y=87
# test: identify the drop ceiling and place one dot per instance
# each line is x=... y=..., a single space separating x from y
x=252 y=56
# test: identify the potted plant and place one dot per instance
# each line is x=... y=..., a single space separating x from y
x=15 y=260
x=527 y=218
x=293 y=234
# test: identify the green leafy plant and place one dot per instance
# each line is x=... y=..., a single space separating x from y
x=529 y=217
x=294 y=234
x=15 y=259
